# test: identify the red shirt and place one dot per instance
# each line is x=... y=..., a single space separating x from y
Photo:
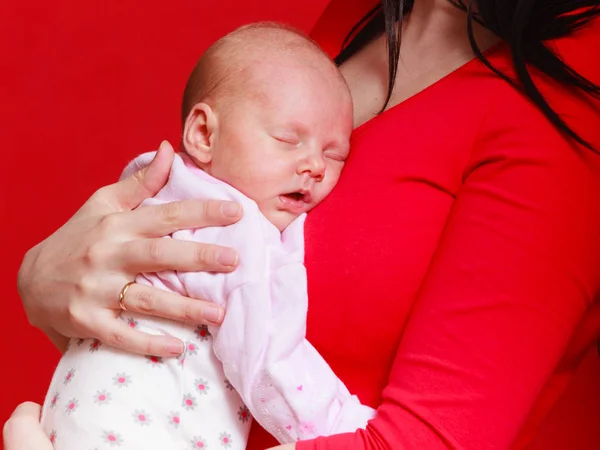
x=454 y=260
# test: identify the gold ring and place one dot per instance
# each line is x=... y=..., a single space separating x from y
x=122 y=295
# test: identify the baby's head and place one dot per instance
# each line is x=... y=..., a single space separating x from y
x=266 y=111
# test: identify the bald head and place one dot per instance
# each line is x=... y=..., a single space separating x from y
x=228 y=67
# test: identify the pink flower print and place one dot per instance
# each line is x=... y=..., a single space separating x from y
x=243 y=414
x=102 y=397
x=154 y=361
x=202 y=333
x=228 y=385
x=174 y=419
x=189 y=402
x=111 y=438
x=140 y=416
x=181 y=359
x=55 y=398
x=132 y=322
x=53 y=437
x=191 y=349
x=69 y=376
x=225 y=439
x=95 y=345
x=199 y=442
x=79 y=342
x=201 y=386
x=121 y=379
x=72 y=405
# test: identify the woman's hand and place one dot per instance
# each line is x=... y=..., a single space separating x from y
x=70 y=282
x=22 y=431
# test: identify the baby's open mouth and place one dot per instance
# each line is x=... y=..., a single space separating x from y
x=296 y=202
x=296 y=196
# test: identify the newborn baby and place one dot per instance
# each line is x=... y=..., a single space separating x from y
x=267 y=119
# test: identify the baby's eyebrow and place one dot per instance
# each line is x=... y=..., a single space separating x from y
x=298 y=127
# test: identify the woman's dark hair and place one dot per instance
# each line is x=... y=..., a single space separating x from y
x=525 y=25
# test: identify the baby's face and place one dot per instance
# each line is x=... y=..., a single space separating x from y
x=284 y=145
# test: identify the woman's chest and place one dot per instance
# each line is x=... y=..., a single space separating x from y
x=369 y=244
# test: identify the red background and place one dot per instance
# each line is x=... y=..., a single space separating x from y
x=84 y=87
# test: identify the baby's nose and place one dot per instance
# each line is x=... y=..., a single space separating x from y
x=315 y=166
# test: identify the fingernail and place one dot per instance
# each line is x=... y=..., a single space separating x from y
x=227 y=257
x=175 y=347
x=158 y=150
x=230 y=209
x=213 y=314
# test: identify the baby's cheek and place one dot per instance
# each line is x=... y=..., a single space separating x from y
x=259 y=186
x=332 y=178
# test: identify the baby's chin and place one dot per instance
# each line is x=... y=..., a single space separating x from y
x=280 y=218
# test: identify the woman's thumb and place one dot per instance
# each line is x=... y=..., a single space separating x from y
x=28 y=410
x=133 y=190
x=155 y=176
x=23 y=431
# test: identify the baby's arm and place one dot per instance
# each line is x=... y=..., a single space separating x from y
x=286 y=384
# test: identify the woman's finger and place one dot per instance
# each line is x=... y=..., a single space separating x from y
x=154 y=255
x=133 y=190
x=116 y=333
x=161 y=220
x=151 y=301
x=22 y=431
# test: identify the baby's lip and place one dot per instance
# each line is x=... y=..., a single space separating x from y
x=307 y=195
x=296 y=201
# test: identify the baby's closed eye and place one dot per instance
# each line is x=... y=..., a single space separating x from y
x=287 y=139
x=336 y=155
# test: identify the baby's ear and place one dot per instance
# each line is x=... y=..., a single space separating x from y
x=199 y=133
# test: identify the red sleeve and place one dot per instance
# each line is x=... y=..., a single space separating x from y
x=516 y=268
